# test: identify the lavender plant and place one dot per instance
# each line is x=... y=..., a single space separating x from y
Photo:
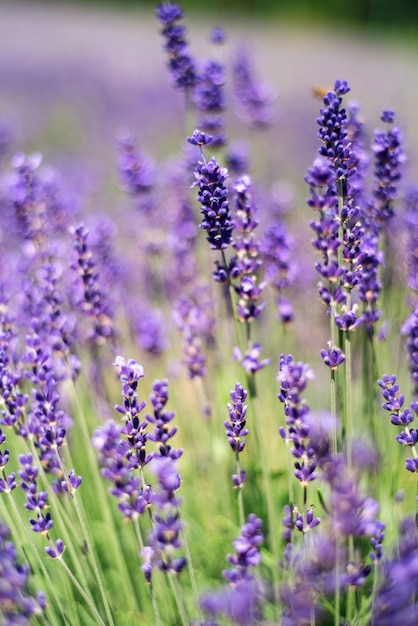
x=125 y=517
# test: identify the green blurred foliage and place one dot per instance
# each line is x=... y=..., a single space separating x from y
x=372 y=13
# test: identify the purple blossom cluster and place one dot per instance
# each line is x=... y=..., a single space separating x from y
x=209 y=101
x=236 y=430
x=164 y=540
x=410 y=330
x=396 y=596
x=399 y=416
x=36 y=501
x=411 y=223
x=254 y=99
x=136 y=172
x=181 y=65
x=213 y=199
x=18 y=604
x=92 y=300
x=244 y=266
x=241 y=601
x=276 y=247
x=389 y=158
x=293 y=378
x=194 y=317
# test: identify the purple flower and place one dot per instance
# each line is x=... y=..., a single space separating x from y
x=136 y=172
x=389 y=158
x=92 y=301
x=164 y=540
x=180 y=63
x=333 y=135
x=333 y=357
x=410 y=330
x=199 y=139
x=411 y=222
x=247 y=551
x=253 y=99
x=240 y=603
x=394 y=401
x=194 y=317
x=209 y=99
x=213 y=198
x=161 y=419
x=18 y=605
x=235 y=428
x=217 y=35
x=57 y=552
x=396 y=596
x=251 y=361
x=244 y=266
x=304 y=523
x=117 y=466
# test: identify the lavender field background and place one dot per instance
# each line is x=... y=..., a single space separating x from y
x=106 y=285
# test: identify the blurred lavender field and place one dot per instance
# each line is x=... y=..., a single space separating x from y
x=72 y=78
x=106 y=283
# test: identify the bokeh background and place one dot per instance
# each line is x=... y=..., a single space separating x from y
x=74 y=75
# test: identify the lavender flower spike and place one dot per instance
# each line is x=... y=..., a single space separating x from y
x=235 y=428
x=213 y=198
x=180 y=63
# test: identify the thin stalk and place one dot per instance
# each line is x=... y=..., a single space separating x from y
x=151 y=587
x=191 y=569
x=266 y=487
x=81 y=591
x=117 y=556
x=179 y=601
x=91 y=549
x=375 y=584
x=333 y=401
x=350 y=593
x=240 y=498
x=348 y=406
x=337 y=596
x=38 y=556
x=231 y=297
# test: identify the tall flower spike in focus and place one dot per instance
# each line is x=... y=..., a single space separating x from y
x=212 y=197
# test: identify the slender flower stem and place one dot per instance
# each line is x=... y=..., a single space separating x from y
x=89 y=542
x=240 y=495
x=231 y=297
x=117 y=554
x=191 y=569
x=337 y=596
x=348 y=406
x=38 y=557
x=272 y=522
x=179 y=601
x=82 y=592
x=333 y=401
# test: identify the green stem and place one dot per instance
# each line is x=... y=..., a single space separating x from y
x=81 y=591
x=240 y=498
x=348 y=407
x=179 y=602
x=91 y=549
x=191 y=569
x=266 y=487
